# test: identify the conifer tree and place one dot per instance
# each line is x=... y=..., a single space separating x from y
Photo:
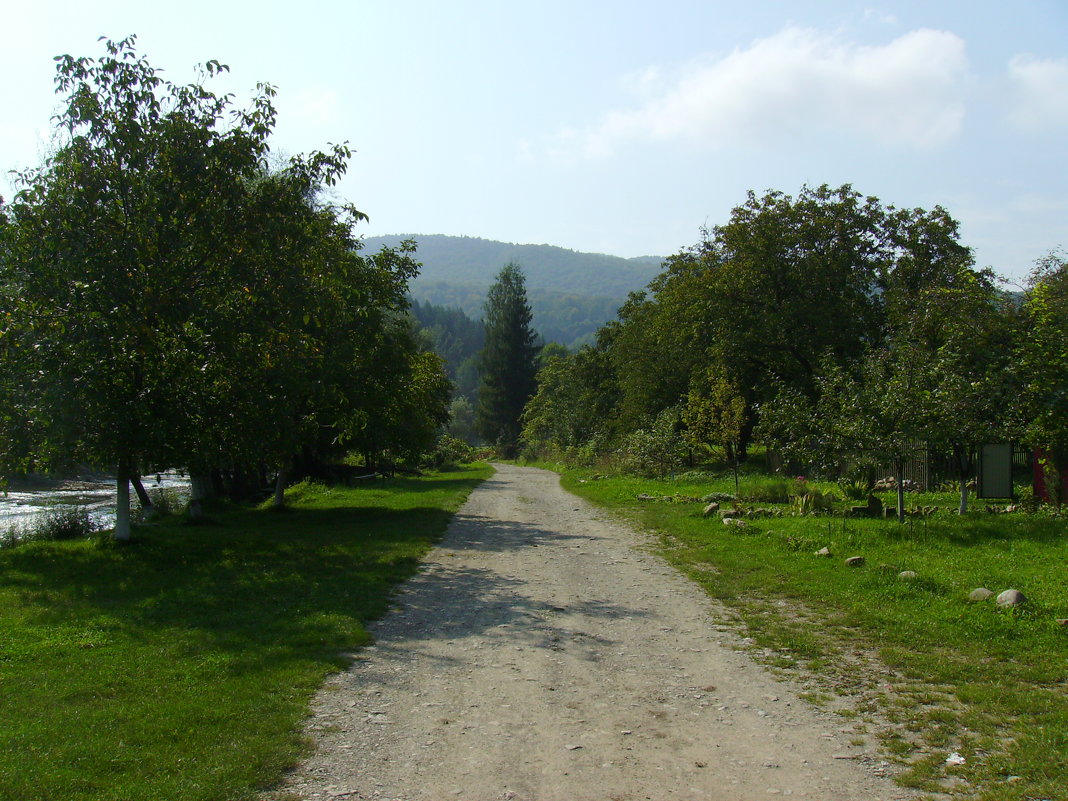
x=508 y=362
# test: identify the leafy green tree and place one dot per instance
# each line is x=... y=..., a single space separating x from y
x=967 y=331
x=866 y=416
x=766 y=297
x=715 y=417
x=575 y=402
x=171 y=298
x=1044 y=368
x=117 y=242
x=508 y=363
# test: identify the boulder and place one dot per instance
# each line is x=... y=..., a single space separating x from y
x=908 y=575
x=854 y=561
x=1011 y=598
x=980 y=594
x=711 y=509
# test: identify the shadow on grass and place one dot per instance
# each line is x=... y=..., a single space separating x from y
x=267 y=587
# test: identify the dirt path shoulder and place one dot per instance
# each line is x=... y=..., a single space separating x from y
x=542 y=655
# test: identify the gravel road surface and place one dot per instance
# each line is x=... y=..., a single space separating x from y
x=543 y=654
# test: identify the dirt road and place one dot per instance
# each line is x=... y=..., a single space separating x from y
x=543 y=655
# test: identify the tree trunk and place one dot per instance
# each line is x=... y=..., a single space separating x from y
x=148 y=510
x=899 y=479
x=280 y=488
x=201 y=489
x=122 y=503
x=964 y=464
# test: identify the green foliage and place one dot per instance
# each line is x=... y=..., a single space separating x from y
x=1044 y=366
x=766 y=489
x=55 y=524
x=655 y=449
x=508 y=363
x=449 y=453
x=574 y=402
x=177 y=298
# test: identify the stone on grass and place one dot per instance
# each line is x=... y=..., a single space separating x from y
x=1011 y=598
x=855 y=561
x=711 y=509
x=824 y=552
x=980 y=594
x=1062 y=621
x=908 y=575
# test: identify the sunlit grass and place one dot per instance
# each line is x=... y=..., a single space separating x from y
x=949 y=674
x=181 y=665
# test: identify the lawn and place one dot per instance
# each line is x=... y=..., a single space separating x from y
x=933 y=672
x=181 y=665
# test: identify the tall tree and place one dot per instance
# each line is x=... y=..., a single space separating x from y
x=508 y=363
x=187 y=305
x=1044 y=369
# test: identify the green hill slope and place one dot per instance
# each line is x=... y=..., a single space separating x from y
x=572 y=293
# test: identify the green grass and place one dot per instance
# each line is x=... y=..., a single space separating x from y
x=180 y=666
x=946 y=674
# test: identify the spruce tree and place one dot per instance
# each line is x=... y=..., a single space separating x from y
x=508 y=361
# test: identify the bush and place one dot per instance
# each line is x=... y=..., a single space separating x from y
x=766 y=490
x=449 y=452
x=167 y=501
x=56 y=523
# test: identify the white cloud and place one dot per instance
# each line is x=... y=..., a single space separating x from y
x=908 y=92
x=1040 y=92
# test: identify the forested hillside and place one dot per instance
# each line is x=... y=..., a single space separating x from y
x=572 y=294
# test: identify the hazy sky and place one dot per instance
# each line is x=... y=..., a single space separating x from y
x=617 y=127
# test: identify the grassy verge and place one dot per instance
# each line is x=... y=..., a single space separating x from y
x=181 y=665
x=934 y=673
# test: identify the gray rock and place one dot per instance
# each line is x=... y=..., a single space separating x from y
x=711 y=509
x=1011 y=598
x=855 y=561
x=824 y=552
x=980 y=594
x=908 y=575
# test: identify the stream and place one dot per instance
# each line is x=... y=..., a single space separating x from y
x=96 y=494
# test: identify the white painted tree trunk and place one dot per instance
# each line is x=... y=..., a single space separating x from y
x=122 y=504
x=200 y=489
x=280 y=488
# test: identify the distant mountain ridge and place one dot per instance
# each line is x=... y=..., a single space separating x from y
x=473 y=261
x=571 y=293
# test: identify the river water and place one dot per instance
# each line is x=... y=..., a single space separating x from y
x=96 y=494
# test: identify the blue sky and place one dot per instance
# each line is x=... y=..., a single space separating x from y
x=617 y=127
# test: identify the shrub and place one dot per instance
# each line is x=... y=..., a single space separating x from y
x=55 y=523
x=449 y=451
x=766 y=490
